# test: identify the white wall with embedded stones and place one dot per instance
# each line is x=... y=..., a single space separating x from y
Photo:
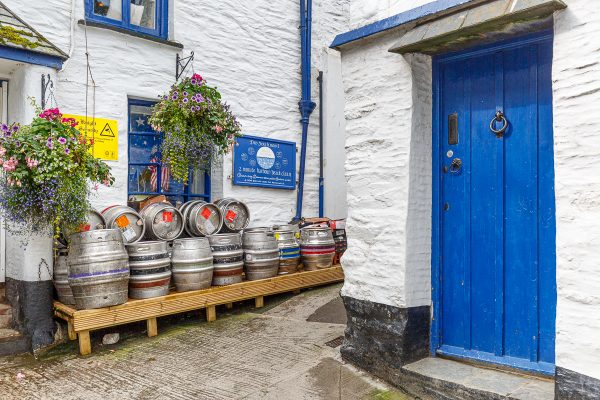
x=576 y=84
x=249 y=50
x=388 y=169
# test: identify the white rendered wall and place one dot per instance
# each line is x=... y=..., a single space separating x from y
x=363 y=12
x=576 y=82
x=250 y=50
x=388 y=169
x=32 y=262
x=334 y=138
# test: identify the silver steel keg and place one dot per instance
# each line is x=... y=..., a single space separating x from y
x=317 y=247
x=98 y=268
x=126 y=220
x=61 y=278
x=228 y=258
x=201 y=218
x=192 y=262
x=162 y=221
x=150 y=273
x=261 y=253
x=289 y=247
x=236 y=215
x=94 y=220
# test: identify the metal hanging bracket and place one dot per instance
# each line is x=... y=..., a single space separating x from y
x=181 y=64
x=47 y=87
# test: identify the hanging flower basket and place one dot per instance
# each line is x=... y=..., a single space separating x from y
x=197 y=126
x=48 y=174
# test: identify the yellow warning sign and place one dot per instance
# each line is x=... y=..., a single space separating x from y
x=105 y=133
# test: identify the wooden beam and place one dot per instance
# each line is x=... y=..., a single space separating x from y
x=70 y=331
x=211 y=313
x=152 y=326
x=85 y=344
x=259 y=302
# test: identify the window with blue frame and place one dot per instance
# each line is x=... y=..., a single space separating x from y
x=143 y=16
x=147 y=175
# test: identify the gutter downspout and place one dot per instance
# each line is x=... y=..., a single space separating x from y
x=306 y=104
x=321 y=179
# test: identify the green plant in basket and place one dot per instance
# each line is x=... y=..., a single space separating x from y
x=196 y=125
x=48 y=174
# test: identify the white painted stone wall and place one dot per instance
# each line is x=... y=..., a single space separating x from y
x=576 y=83
x=387 y=127
x=388 y=169
x=364 y=12
x=250 y=50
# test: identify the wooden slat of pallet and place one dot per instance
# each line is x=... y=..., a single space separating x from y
x=139 y=310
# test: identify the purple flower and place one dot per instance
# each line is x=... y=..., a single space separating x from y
x=62 y=140
x=5 y=127
x=67 y=151
x=185 y=100
x=185 y=93
x=15 y=128
x=193 y=81
x=49 y=143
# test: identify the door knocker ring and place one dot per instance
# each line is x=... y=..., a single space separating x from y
x=499 y=117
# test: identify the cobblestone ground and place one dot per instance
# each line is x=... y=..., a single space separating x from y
x=278 y=352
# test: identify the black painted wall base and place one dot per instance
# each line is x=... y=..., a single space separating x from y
x=381 y=339
x=571 y=385
x=32 y=311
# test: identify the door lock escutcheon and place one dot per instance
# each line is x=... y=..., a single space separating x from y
x=456 y=166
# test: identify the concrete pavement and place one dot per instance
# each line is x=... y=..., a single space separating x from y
x=279 y=352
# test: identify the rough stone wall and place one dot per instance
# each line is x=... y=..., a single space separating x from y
x=576 y=83
x=251 y=51
x=363 y=12
x=388 y=171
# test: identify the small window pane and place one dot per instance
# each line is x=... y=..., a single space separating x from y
x=143 y=179
x=143 y=13
x=170 y=185
x=138 y=118
x=144 y=148
x=197 y=182
x=108 y=8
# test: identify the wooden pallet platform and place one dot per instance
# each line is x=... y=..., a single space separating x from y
x=82 y=322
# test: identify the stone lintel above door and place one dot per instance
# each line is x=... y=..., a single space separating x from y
x=480 y=24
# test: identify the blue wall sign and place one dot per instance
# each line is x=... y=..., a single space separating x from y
x=264 y=162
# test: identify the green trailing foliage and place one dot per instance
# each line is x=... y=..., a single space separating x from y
x=197 y=126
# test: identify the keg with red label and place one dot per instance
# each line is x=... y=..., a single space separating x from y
x=236 y=215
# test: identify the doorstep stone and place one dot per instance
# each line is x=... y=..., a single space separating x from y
x=438 y=375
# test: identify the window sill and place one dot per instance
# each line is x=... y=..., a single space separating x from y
x=125 y=31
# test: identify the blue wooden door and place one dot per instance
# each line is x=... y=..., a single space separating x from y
x=495 y=294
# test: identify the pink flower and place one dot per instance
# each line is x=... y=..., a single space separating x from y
x=95 y=187
x=106 y=182
x=31 y=163
x=11 y=164
x=197 y=77
x=2 y=151
x=218 y=128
